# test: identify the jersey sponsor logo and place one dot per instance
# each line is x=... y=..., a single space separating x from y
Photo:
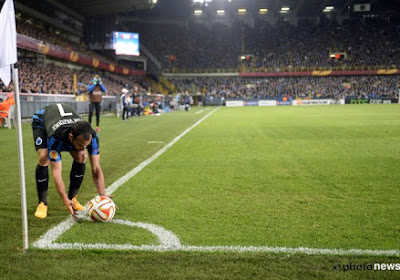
x=54 y=154
x=38 y=141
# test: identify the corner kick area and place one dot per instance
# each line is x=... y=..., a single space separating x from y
x=169 y=241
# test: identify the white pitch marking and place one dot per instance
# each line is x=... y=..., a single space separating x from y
x=139 y=168
x=53 y=234
x=237 y=249
x=166 y=238
x=171 y=242
x=46 y=240
x=201 y=111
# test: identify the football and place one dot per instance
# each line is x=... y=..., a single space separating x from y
x=101 y=208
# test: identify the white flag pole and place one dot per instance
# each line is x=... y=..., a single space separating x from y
x=21 y=158
x=8 y=57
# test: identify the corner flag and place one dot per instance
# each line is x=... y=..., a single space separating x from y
x=8 y=41
x=8 y=57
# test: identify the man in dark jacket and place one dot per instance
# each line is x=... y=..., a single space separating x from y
x=96 y=89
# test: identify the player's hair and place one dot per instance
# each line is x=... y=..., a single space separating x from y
x=81 y=128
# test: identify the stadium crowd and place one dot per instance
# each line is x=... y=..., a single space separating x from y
x=40 y=33
x=282 y=47
x=368 y=44
x=293 y=87
x=52 y=79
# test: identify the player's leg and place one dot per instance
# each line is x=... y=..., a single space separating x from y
x=98 y=109
x=42 y=182
x=91 y=109
x=76 y=177
x=42 y=168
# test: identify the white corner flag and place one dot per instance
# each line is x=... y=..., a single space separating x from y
x=8 y=41
x=8 y=57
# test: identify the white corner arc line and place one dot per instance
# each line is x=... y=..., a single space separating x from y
x=54 y=233
x=166 y=237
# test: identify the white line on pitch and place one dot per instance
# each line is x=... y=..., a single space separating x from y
x=49 y=237
x=201 y=111
x=239 y=249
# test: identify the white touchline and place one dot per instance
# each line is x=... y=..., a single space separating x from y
x=138 y=168
x=169 y=241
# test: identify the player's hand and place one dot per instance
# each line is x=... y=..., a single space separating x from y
x=69 y=203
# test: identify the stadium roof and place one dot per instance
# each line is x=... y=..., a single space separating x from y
x=102 y=7
x=87 y=8
x=182 y=8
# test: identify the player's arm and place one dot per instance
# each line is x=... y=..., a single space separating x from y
x=97 y=174
x=56 y=167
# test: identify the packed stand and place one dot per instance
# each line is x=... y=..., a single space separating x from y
x=292 y=87
x=374 y=44
x=28 y=29
x=53 y=79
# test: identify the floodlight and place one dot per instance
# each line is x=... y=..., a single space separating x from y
x=220 y=12
x=198 y=12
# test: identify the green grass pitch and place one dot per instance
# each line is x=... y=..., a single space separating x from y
x=324 y=177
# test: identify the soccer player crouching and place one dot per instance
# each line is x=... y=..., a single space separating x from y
x=57 y=128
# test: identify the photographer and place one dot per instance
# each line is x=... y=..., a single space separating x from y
x=95 y=88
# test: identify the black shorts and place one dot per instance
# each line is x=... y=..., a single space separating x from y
x=39 y=132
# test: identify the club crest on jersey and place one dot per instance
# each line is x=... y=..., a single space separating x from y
x=39 y=141
x=53 y=154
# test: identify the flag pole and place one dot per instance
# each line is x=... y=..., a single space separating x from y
x=21 y=158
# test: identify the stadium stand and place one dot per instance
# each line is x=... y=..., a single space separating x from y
x=292 y=87
x=283 y=47
x=216 y=47
x=52 y=79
